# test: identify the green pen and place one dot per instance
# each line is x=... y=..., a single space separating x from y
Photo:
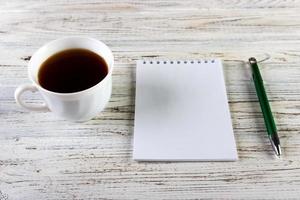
x=265 y=107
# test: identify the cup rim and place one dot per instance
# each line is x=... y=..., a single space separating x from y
x=88 y=90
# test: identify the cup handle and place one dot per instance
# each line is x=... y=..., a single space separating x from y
x=28 y=87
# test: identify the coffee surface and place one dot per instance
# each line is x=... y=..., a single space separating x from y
x=72 y=70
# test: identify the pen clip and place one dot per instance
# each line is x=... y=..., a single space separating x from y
x=252 y=60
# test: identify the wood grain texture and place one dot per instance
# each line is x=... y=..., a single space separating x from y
x=42 y=157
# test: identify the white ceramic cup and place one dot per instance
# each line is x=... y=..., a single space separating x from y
x=77 y=106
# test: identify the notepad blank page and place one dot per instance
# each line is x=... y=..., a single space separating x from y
x=182 y=113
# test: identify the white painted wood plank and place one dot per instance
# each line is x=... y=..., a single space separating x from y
x=42 y=157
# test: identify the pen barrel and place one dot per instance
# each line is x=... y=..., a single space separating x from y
x=263 y=100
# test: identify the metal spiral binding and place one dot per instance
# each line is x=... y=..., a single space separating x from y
x=152 y=62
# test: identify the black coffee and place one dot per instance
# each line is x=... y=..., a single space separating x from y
x=72 y=70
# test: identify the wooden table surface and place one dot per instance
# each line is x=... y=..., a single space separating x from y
x=42 y=157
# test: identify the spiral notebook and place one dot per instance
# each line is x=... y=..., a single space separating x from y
x=182 y=112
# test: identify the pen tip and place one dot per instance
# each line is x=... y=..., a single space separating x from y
x=278 y=150
x=276 y=147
